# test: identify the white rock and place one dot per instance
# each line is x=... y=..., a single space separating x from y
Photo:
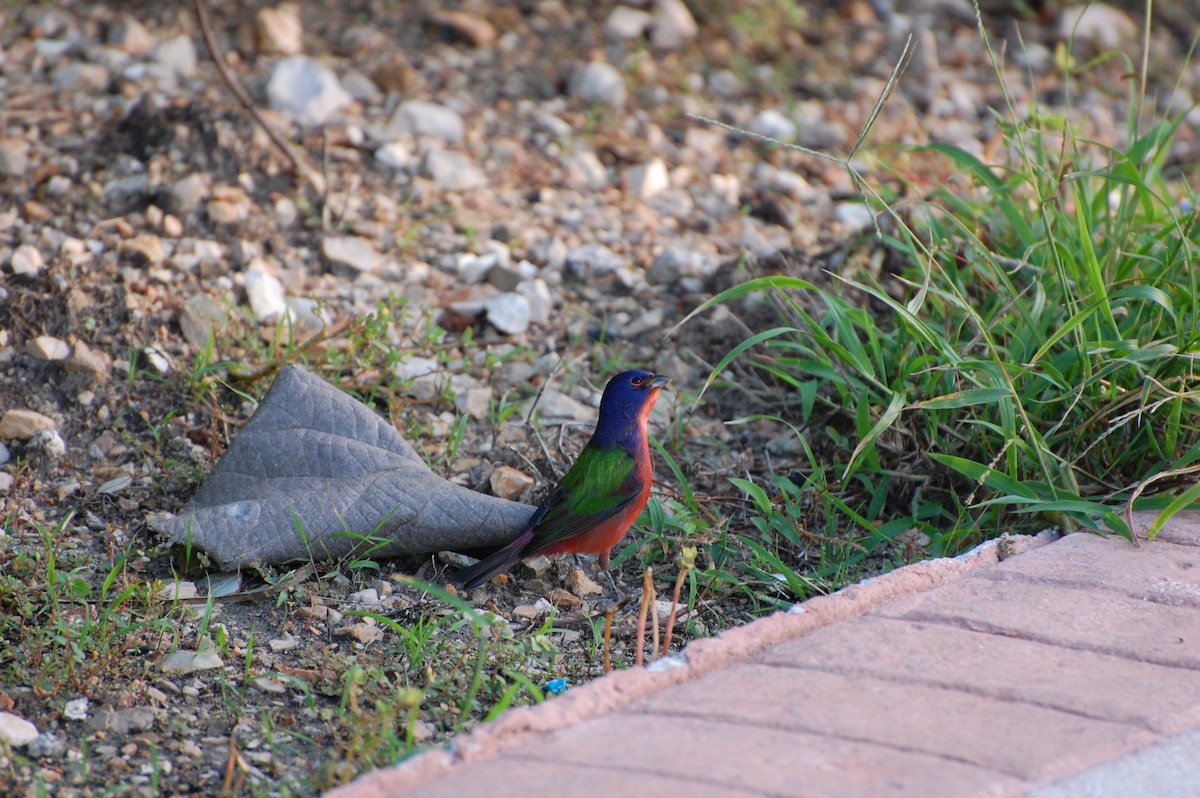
x=584 y=170
x=128 y=34
x=855 y=217
x=366 y=596
x=541 y=302
x=674 y=25
x=591 y=260
x=414 y=367
x=80 y=77
x=49 y=442
x=557 y=405
x=508 y=313
x=396 y=155
x=265 y=294
x=354 y=251
x=599 y=82
x=1102 y=25
x=187 y=194
x=14 y=157
x=177 y=54
x=648 y=179
x=475 y=402
x=76 y=709
x=27 y=261
x=6 y=483
x=158 y=359
x=420 y=118
x=509 y=483
x=773 y=125
x=16 y=731
x=626 y=24
x=306 y=90
x=453 y=171
x=474 y=268
x=47 y=347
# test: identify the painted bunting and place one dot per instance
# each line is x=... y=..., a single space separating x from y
x=601 y=495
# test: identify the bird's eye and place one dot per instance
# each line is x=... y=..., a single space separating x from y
x=636 y=382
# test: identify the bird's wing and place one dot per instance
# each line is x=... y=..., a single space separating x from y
x=601 y=483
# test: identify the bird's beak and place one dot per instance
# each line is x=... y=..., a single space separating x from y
x=659 y=380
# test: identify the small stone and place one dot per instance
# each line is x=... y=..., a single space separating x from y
x=268 y=685
x=855 y=217
x=93 y=361
x=581 y=584
x=557 y=406
x=129 y=35
x=648 y=179
x=396 y=155
x=285 y=643
x=148 y=247
x=538 y=565
x=394 y=73
x=76 y=709
x=599 y=83
x=229 y=205
x=20 y=425
x=584 y=170
x=591 y=260
x=674 y=25
x=563 y=599
x=1101 y=25
x=473 y=268
x=453 y=171
x=421 y=118
x=366 y=596
x=306 y=90
x=362 y=632
x=541 y=302
x=200 y=316
x=508 y=313
x=122 y=722
x=16 y=731
x=178 y=590
x=6 y=483
x=177 y=54
x=509 y=483
x=185 y=661
x=48 y=442
x=264 y=292
x=278 y=30
x=362 y=88
x=157 y=359
x=507 y=276
x=187 y=194
x=773 y=125
x=14 y=157
x=354 y=251
x=46 y=347
x=27 y=261
x=469 y=27
x=80 y=77
x=47 y=745
x=624 y=24
x=475 y=402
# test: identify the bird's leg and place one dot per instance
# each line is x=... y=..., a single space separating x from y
x=604 y=560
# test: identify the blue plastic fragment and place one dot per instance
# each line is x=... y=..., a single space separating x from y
x=557 y=686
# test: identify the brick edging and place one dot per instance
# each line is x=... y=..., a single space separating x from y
x=699 y=657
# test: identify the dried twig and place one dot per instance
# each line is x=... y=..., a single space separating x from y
x=687 y=561
x=647 y=592
x=608 y=617
x=297 y=159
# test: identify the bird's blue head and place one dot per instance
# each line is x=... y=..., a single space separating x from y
x=626 y=405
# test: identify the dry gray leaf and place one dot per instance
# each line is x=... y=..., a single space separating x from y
x=316 y=475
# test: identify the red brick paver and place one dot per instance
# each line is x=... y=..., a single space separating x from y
x=967 y=677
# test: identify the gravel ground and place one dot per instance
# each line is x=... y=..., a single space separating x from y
x=525 y=174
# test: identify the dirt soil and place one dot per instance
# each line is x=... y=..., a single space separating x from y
x=551 y=217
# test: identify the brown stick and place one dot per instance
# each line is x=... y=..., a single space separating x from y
x=687 y=563
x=647 y=589
x=299 y=164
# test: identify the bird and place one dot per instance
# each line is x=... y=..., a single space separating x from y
x=603 y=492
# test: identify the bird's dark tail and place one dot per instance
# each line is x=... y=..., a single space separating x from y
x=474 y=576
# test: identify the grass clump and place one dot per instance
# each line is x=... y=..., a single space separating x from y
x=1030 y=360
